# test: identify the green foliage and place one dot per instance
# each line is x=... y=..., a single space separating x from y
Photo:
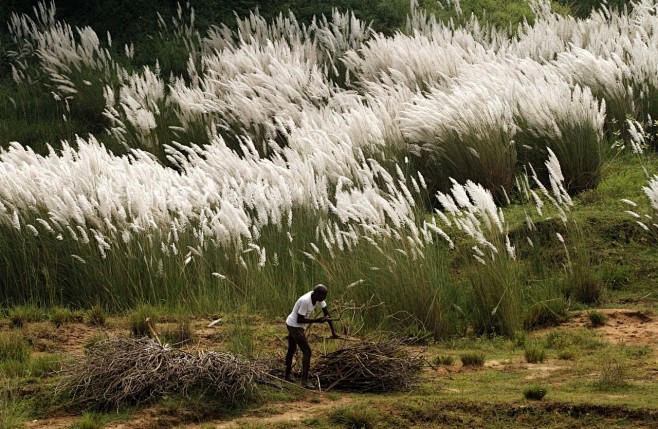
x=241 y=336
x=472 y=359
x=446 y=360
x=534 y=352
x=597 y=318
x=14 y=347
x=547 y=305
x=354 y=416
x=22 y=315
x=613 y=373
x=535 y=393
x=61 y=316
x=179 y=334
x=89 y=421
x=140 y=318
x=13 y=411
x=97 y=316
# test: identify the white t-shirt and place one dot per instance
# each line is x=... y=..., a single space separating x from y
x=305 y=307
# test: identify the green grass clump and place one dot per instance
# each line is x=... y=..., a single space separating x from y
x=354 y=416
x=61 y=316
x=89 y=421
x=22 y=315
x=96 y=316
x=179 y=334
x=139 y=320
x=13 y=347
x=534 y=353
x=597 y=318
x=472 y=359
x=613 y=373
x=535 y=393
x=13 y=411
x=446 y=360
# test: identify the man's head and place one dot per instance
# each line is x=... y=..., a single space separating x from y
x=320 y=292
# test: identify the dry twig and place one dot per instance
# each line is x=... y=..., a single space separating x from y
x=369 y=367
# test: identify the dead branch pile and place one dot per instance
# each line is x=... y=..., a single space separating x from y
x=122 y=371
x=369 y=367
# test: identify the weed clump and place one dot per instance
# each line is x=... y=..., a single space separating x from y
x=472 y=359
x=535 y=393
x=96 y=315
x=446 y=360
x=613 y=374
x=597 y=318
x=354 y=417
x=13 y=347
x=534 y=353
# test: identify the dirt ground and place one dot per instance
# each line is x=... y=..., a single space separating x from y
x=623 y=326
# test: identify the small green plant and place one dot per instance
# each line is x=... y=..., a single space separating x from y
x=359 y=416
x=534 y=353
x=446 y=360
x=96 y=316
x=472 y=359
x=613 y=373
x=13 y=347
x=597 y=318
x=534 y=393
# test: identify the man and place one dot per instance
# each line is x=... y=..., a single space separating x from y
x=298 y=321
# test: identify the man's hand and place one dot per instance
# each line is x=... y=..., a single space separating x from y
x=335 y=336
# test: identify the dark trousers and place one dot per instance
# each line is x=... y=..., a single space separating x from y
x=297 y=338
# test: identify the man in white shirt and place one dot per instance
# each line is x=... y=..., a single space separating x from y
x=298 y=321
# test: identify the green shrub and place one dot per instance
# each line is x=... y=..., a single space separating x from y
x=472 y=359
x=534 y=393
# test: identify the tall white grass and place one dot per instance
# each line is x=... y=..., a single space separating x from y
x=280 y=128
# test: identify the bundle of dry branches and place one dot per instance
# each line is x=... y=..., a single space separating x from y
x=369 y=367
x=122 y=371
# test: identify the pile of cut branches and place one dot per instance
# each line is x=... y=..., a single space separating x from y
x=382 y=366
x=123 y=371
